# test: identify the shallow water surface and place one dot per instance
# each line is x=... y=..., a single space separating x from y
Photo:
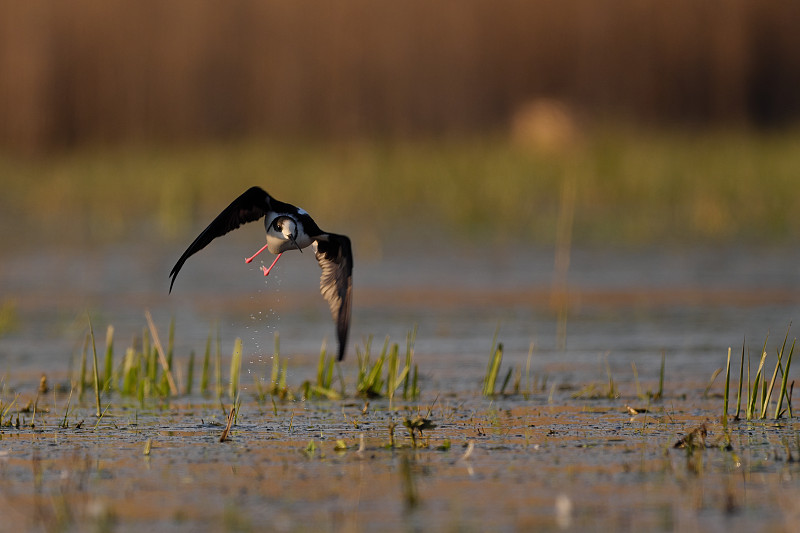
x=630 y=305
x=566 y=465
x=566 y=455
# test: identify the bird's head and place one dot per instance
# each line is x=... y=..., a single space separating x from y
x=285 y=227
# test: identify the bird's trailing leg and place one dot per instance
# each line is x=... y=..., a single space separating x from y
x=263 y=268
x=266 y=270
x=247 y=260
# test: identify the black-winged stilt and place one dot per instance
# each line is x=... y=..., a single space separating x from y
x=288 y=228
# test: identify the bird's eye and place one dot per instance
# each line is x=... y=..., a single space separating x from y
x=277 y=225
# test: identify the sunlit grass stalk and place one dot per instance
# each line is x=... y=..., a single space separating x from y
x=493 y=369
x=206 y=363
x=755 y=386
x=322 y=367
x=660 y=393
x=82 y=372
x=129 y=372
x=612 y=389
x=100 y=416
x=506 y=380
x=370 y=380
x=727 y=389
x=741 y=377
x=218 y=367
x=164 y=386
x=363 y=362
x=152 y=369
x=767 y=392
x=410 y=341
x=391 y=370
x=173 y=389
x=636 y=380
x=236 y=367
x=276 y=364
x=146 y=354
x=323 y=386
x=95 y=370
x=108 y=375
x=528 y=386
x=190 y=374
x=66 y=409
x=399 y=375
x=282 y=378
x=7 y=408
x=784 y=380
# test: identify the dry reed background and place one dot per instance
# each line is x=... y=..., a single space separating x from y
x=87 y=72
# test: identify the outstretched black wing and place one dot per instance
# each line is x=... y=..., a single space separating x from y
x=253 y=204
x=336 y=284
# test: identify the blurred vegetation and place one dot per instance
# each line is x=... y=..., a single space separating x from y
x=83 y=72
x=631 y=187
x=9 y=319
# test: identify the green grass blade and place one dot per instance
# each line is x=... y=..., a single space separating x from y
x=236 y=367
x=391 y=376
x=190 y=374
x=727 y=389
x=82 y=372
x=493 y=371
x=768 y=391
x=506 y=380
x=204 y=374
x=741 y=376
x=528 y=389
x=109 y=360
x=321 y=366
x=756 y=386
x=95 y=370
x=410 y=341
x=784 y=381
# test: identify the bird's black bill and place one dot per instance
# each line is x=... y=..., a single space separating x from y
x=291 y=238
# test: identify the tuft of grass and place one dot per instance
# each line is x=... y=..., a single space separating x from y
x=760 y=389
x=324 y=385
x=145 y=371
x=173 y=389
x=371 y=381
x=280 y=368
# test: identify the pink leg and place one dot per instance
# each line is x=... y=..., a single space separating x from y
x=266 y=270
x=255 y=254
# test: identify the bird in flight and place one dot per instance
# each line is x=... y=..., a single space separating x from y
x=288 y=228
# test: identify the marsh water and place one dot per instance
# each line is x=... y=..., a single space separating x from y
x=551 y=459
x=631 y=305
